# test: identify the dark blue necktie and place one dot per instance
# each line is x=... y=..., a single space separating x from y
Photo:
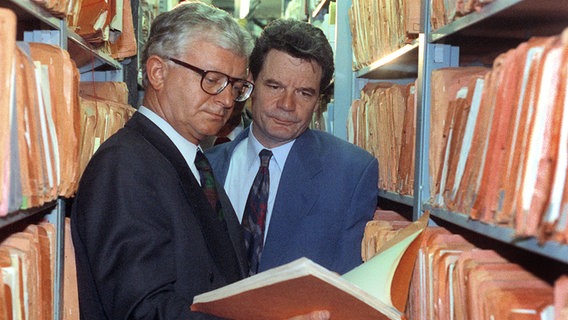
x=255 y=212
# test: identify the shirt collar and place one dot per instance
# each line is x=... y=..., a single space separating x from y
x=279 y=154
x=187 y=149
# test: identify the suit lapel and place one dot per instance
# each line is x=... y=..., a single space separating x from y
x=223 y=246
x=299 y=176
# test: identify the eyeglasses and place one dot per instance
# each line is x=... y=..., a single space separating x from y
x=214 y=82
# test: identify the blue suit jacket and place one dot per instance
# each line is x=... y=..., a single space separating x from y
x=327 y=193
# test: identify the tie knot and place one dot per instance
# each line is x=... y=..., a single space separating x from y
x=265 y=156
x=201 y=161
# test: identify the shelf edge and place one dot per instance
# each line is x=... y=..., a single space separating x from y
x=549 y=249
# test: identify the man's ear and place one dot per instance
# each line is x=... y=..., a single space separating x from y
x=156 y=70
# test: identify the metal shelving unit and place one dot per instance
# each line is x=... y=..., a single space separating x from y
x=508 y=18
x=500 y=24
x=503 y=234
x=101 y=60
x=33 y=18
x=402 y=63
x=499 y=15
x=24 y=214
x=30 y=10
x=397 y=197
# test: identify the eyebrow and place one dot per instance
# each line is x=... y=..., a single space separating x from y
x=305 y=89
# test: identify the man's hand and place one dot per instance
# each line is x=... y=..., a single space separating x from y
x=316 y=315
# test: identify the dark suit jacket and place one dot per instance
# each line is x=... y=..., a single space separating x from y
x=146 y=240
x=327 y=193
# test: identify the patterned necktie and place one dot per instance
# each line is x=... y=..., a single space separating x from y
x=255 y=213
x=208 y=181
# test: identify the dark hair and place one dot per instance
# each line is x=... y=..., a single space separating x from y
x=173 y=31
x=300 y=40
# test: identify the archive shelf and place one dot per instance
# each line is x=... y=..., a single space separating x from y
x=23 y=214
x=77 y=46
x=508 y=19
x=402 y=63
x=35 y=17
x=36 y=22
x=397 y=197
x=549 y=249
x=502 y=24
x=477 y=37
x=27 y=11
x=499 y=26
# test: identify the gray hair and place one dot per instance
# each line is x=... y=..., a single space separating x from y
x=173 y=31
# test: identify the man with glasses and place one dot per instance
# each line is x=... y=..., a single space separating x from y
x=150 y=227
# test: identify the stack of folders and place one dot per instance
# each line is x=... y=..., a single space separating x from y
x=59 y=8
x=381 y=27
x=383 y=121
x=399 y=25
x=26 y=262
x=104 y=110
x=446 y=11
x=105 y=24
x=499 y=140
x=45 y=122
x=454 y=279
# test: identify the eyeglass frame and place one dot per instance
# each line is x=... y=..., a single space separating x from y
x=230 y=80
